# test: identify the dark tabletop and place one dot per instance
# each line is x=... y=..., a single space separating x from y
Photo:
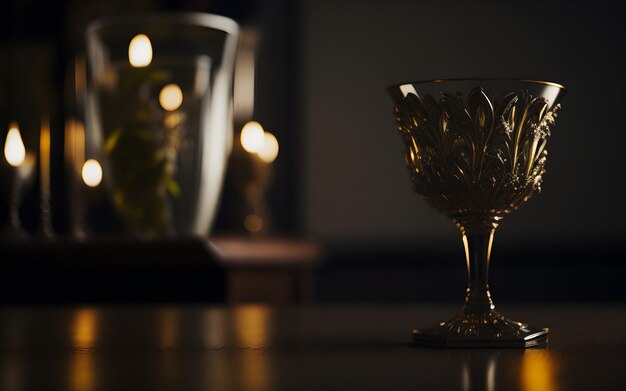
x=328 y=348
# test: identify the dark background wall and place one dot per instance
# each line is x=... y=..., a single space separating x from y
x=385 y=242
x=321 y=73
x=356 y=186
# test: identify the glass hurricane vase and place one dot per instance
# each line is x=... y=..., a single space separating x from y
x=159 y=116
x=476 y=150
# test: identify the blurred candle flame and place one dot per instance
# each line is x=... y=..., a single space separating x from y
x=252 y=136
x=92 y=173
x=171 y=97
x=140 y=51
x=269 y=149
x=14 y=150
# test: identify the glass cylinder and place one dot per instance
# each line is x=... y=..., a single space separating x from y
x=159 y=117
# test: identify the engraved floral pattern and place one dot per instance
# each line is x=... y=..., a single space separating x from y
x=489 y=324
x=476 y=157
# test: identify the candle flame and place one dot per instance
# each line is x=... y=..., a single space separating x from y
x=140 y=51
x=252 y=136
x=269 y=149
x=14 y=150
x=171 y=97
x=92 y=173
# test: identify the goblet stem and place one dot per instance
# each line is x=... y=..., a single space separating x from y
x=479 y=324
x=477 y=254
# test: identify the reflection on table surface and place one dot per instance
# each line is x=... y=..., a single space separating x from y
x=263 y=348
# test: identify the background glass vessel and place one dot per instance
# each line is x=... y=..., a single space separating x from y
x=159 y=115
x=476 y=150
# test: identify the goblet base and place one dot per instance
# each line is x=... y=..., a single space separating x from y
x=484 y=329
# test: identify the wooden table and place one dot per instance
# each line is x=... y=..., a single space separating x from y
x=328 y=348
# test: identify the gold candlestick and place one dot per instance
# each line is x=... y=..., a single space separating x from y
x=75 y=158
x=46 y=229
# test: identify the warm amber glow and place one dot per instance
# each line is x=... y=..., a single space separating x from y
x=269 y=150
x=467 y=256
x=82 y=372
x=172 y=120
x=79 y=145
x=491 y=375
x=253 y=330
x=44 y=155
x=140 y=51
x=253 y=223
x=252 y=326
x=169 y=328
x=92 y=173
x=84 y=328
x=171 y=97
x=538 y=371
x=252 y=136
x=14 y=150
x=214 y=330
x=256 y=372
x=84 y=336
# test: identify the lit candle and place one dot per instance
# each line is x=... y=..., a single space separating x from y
x=171 y=97
x=22 y=166
x=140 y=51
x=14 y=150
x=92 y=173
x=252 y=135
x=254 y=139
x=269 y=149
x=16 y=154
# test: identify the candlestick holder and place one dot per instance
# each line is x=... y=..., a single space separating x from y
x=20 y=178
x=251 y=178
x=476 y=150
x=46 y=230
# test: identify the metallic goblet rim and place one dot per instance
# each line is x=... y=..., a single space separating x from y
x=438 y=81
x=201 y=19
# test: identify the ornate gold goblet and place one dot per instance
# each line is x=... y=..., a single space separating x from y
x=476 y=151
